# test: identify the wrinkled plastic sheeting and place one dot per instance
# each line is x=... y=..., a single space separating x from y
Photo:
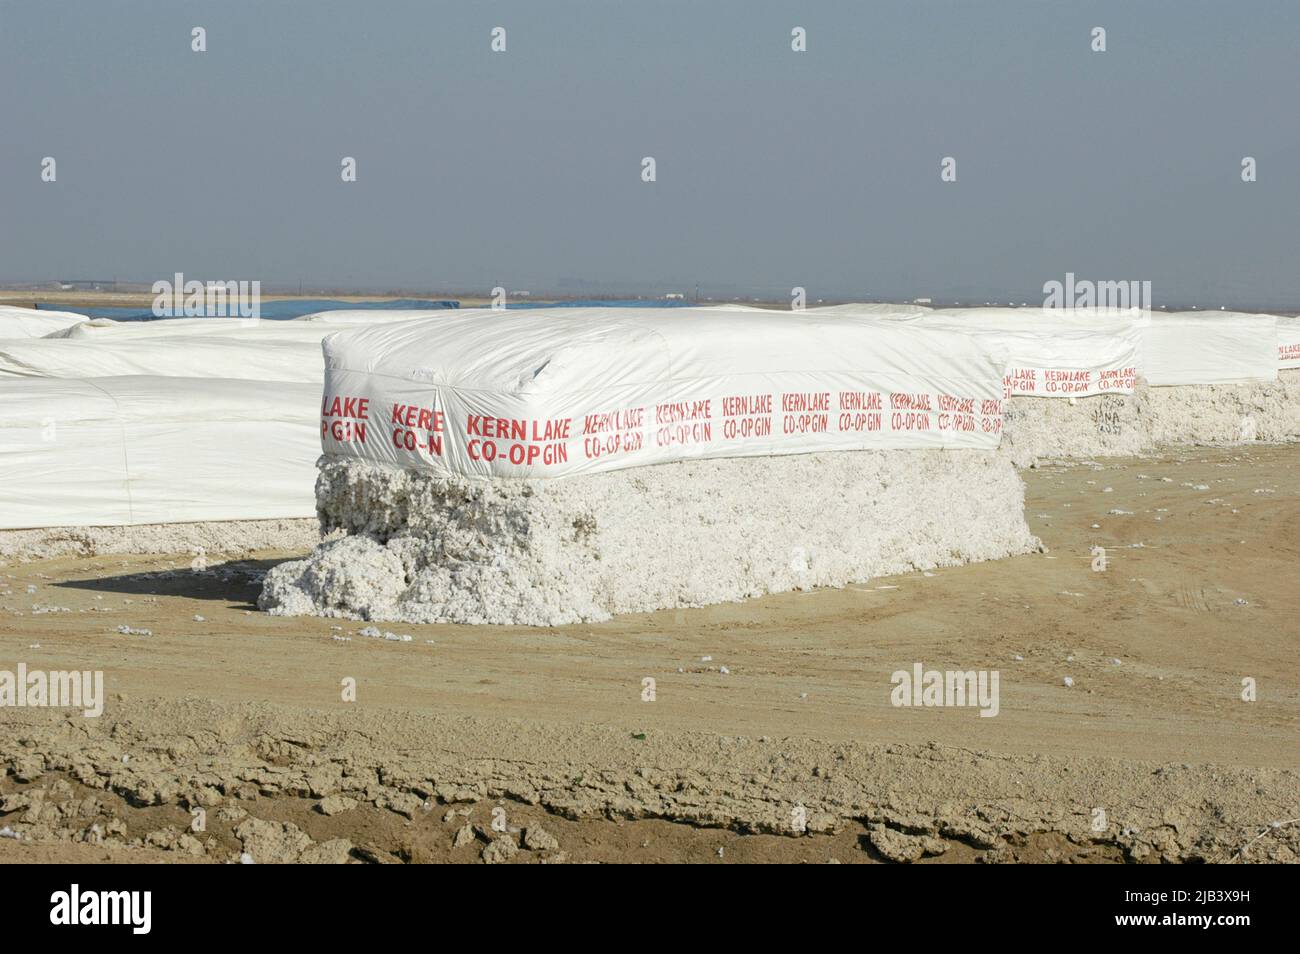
x=30 y=323
x=142 y=450
x=569 y=391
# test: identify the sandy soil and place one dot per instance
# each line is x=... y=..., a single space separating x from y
x=241 y=714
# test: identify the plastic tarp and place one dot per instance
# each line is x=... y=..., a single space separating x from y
x=370 y=317
x=1288 y=343
x=1049 y=354
x=1091 y=349
x=248 y=357
x=870 y=309
x=137 y=450
x=30 y=323
x=1193 y=347
x=104 y=329
x=586 y=390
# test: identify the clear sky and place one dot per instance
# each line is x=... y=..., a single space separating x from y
x=774 y=168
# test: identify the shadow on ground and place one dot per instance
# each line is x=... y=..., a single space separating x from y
x=237 y=581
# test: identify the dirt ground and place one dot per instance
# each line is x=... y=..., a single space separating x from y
x=225 y=731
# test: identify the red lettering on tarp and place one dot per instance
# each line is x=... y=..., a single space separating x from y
x=621 y=420
x=678 y=411
x=738 y=428
x=961 y=405
x=859 y=401
x=902 y=401
x=620 y=443
x=746 y=416
x=1067 y=382
x=344 y=431
x=805 y=401
x=851 y=421
x=341 y=406
x=418 y=428
x=515 y=429
x=613 y=432
x=956 y=422
x=1117 y=379
x=909 y=421
x=805 y=423
x=742 y=405
x=521 y=455
x=700 y=432
x=531 y=441
x=1020 y=381
x=343 y=418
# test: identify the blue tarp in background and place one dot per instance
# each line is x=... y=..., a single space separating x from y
x=284 y=309
x=272 y=310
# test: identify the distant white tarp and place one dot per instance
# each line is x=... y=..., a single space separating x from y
x=1074 y=353
x=269 y=357
x=866 y=309
x=582 y=390
x=1192 y=347
x=374 y=316
x=111 y=329
x=1288 y=343
x=1055 y=355
x=136 y=450
x=30 y=323
x=1049 y=354
x=107 y=329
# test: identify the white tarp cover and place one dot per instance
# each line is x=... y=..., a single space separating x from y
x=269 y=357
x=580 y=390
x=871 y=309
x=30 y=323
x=109 y=328
x=1095 y=352
x=1288 y=343
x=373 y=316
x=1052 y=354
x=106 y=329
x=1198 y=347
x=138 y=450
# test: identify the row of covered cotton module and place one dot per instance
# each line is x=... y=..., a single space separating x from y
x=566 y=391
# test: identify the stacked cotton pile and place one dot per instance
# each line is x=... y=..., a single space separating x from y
x=1084 y=385
x=163 y=436
x=541 y=552
x=521 y=468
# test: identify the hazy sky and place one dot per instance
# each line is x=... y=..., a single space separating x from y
x=775 y=168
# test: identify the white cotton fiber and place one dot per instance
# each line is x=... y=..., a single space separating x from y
x=1116 y=425
x=422 y=548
